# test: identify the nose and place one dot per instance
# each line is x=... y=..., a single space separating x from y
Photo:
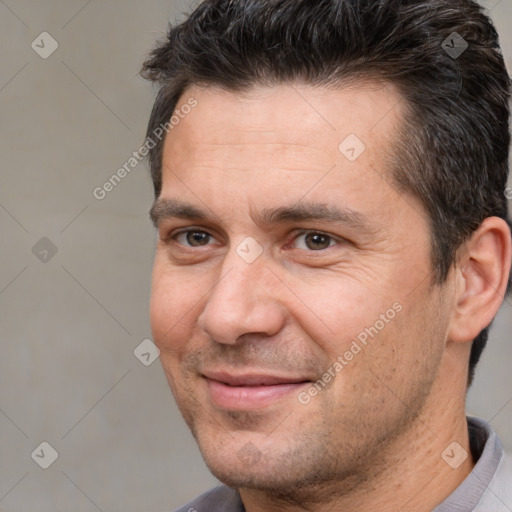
x=243 y=301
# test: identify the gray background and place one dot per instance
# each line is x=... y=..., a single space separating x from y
x=69 y=325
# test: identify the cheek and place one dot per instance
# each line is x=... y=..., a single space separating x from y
x=172 y=308
x=406 y=354
x=335 y=310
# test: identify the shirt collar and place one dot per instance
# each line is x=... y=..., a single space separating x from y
x=487 y=450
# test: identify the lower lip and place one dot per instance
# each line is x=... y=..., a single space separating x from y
x=249 y=397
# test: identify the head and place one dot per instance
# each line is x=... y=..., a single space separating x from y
x=277 y=86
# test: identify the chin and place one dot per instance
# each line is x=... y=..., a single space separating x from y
x=296 y=487
x=246 y=460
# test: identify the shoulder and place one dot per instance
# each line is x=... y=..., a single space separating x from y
x=498 y=495
x=218 y=499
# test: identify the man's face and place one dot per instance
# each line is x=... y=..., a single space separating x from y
x=307 y=256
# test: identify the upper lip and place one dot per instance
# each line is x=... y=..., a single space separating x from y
x=252 y=379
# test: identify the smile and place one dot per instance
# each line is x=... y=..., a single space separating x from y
x=250 y=391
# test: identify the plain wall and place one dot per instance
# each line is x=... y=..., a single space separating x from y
x=69 y=325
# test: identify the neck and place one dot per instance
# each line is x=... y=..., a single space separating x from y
x=411 y=473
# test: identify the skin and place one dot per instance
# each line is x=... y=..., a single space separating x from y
x=372 y=439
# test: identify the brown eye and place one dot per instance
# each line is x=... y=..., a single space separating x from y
x=193 y=238
x=314 y=241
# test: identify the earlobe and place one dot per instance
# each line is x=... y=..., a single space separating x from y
x=482 y=277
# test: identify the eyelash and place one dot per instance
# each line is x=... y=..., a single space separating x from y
x=296 y=235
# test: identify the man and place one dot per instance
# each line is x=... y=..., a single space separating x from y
x=333 y=246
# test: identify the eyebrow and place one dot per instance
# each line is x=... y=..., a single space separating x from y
x=163 y=209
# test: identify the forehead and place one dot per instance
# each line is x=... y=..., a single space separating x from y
x=237 y=153
x=289 y=121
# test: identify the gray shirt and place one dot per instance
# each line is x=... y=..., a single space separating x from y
x=488 y=488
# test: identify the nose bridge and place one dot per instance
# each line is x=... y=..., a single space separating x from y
x=243 y=268
x=241 y=301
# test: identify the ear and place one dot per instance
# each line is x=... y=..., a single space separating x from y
x=481 y=277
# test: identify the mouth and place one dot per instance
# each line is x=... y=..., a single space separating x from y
x=250 y=390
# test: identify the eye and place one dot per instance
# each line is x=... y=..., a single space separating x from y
x=192 y=238
x=308 y=240
x=313 y=241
